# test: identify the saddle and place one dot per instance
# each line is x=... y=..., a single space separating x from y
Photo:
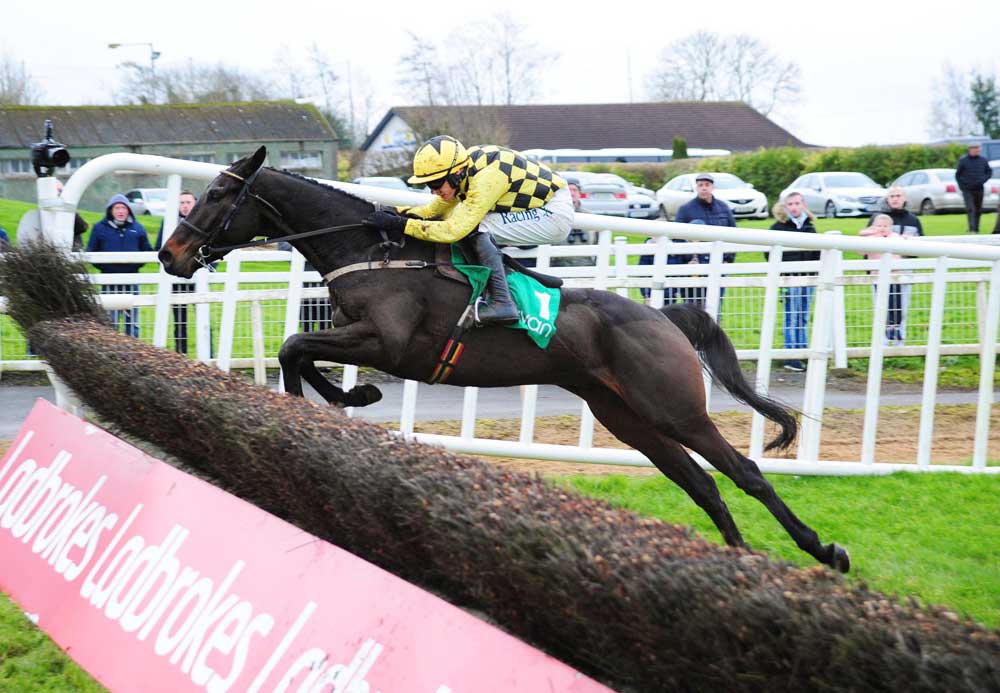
x=445 y=268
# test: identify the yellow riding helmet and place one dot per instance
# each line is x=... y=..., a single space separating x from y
x=437 y=158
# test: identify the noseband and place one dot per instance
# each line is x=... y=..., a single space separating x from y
x=206 y=249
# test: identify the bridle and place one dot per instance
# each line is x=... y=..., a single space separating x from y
x=206 y=250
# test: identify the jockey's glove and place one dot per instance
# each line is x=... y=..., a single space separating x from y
x=389 y=223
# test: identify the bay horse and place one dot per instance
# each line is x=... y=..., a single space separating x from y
x=636 y=367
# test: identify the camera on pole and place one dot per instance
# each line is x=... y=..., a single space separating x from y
x=48 y=155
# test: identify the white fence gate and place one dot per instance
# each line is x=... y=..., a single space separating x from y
x=959 y=282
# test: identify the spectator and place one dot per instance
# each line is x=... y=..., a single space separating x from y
x=792 y=215
x=119 y=232
x=907 y=225
x=29 y=228
x=4 y=240
x=705 y=208
x=315 y=314
x=185 y=202
x=971 y=173
x=576 y=236
x=881 y=227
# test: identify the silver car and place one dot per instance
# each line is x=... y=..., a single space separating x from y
x=838 y=193
x=641 y=201
x=148 y=201
x=741 y=197
x=600 y=195
x=932 y=190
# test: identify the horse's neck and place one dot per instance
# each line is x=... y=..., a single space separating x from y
x=319 y=207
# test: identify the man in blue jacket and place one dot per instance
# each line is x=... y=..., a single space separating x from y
x=119 y=232
x=705 y=208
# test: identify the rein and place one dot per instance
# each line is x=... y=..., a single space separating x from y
x=207 y=250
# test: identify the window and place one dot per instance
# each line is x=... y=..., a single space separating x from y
x=919 y=179
x=904 y=180
x=204 y=158
x=302 y=159
x=14 y=166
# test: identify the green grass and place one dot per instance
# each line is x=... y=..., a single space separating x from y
x=933 y=537
x=30 y=661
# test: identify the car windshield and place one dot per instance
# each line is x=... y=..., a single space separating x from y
x=155 y=195
x=728 y=180
x=849 y=180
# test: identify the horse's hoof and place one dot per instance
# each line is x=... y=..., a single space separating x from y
x=362 y=396
x=840 y=560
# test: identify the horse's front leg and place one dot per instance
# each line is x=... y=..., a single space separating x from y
x=357 y=342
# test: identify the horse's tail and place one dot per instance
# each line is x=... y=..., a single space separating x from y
x=719 y=357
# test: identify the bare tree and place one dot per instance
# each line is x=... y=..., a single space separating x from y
x=506 y=68
x=17 y=87
x=194 y=83
x=420 y=72
x=952 y=114
x=705 y=66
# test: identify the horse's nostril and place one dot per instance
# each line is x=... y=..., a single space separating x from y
x=166 y=257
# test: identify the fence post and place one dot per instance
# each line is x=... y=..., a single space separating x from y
x=839 y=319
x=819 y=356
x=768 y=321
x=931 y=360
x=656 y=295
x=603 y=262
x=874 y=388
x=293 y=303
x=203 y=317
x=257 y=330
x=228 y=327
x=621 y=265
x=165 y=285
x=987 y=362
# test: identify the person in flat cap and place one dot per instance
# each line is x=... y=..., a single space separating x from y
x=705 y=208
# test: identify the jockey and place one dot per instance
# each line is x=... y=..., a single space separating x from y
x=484 y=194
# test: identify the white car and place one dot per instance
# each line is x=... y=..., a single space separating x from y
x=838 y=193
x=741 y=197
x=148 y=201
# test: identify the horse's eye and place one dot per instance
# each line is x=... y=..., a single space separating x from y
x=215 y=194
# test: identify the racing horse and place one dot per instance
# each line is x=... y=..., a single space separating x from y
x=636 y=367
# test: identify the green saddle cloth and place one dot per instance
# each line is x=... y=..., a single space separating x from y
x=537 y=305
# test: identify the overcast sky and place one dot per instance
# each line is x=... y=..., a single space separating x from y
x=867 y=67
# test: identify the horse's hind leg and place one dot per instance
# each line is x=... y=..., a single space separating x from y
x=706 y=440
x=669 y=457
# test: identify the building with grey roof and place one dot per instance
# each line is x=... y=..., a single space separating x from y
x=297 y=137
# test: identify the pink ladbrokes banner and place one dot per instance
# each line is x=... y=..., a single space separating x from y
x=156 y=581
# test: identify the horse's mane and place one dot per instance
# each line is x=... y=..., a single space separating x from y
x=316 y=183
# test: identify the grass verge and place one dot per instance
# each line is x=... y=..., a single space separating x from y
x=932 y=537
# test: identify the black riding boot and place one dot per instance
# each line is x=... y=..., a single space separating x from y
x=501 y=309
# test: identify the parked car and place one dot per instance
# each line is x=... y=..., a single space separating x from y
x=148 y=201
x=641 y=201
x=600 y=195
x=741 y=197
x=838 y=193
x=932 y=190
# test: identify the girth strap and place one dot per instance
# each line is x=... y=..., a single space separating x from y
x=392 y=264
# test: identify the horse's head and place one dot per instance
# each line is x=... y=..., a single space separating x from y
x=228 y=213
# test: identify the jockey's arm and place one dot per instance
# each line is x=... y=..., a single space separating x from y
x=484 y=190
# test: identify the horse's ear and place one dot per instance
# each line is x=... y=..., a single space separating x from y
x=257 y=160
